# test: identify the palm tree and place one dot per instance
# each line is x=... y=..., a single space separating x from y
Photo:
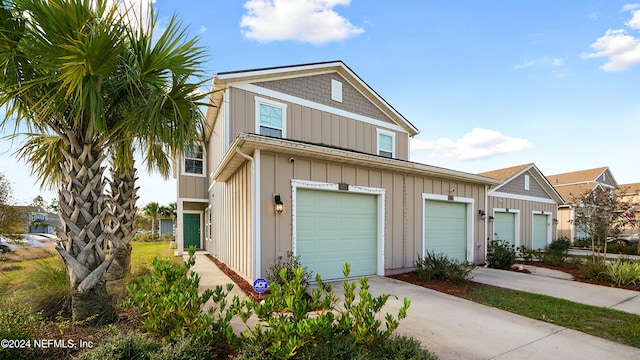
x=83 y=80
x=153 y=210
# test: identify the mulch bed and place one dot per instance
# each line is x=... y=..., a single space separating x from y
x=237 y=279
x=441 y=286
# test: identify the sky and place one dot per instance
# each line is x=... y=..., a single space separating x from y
x=489 y=84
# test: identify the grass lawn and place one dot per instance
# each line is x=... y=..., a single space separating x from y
x=606 y=323
x=142 y=253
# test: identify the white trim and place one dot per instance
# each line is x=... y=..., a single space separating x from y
x=262 y=101
x=521 y=197
x=227 y=141
x=283 y=69
x=549 y=224
x=315 y=185
x=193 y=200
x=393 y=141
x=296 y=100
x=470 y=204
x=255 y=175
x=516 y=227
x=204 y=163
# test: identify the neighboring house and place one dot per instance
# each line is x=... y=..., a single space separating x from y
x=38 y=220
x=310 y=159
x=629 y=194
x=166 y=226
x=573 y=186
x=523 y=209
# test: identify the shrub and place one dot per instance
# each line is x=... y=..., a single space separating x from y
x=17 y=323
x=441 y=267
x=170 y=306
x=400 y=348
x=47 y=288
x=594 y=270
x=290 y=263
x=500 y=254
x=622 y=249
x=290 y=326
x=555 y=254
x=624 y=272
x=526 y=254
x=560 y=244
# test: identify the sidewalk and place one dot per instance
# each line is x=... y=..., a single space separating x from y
x=554 y=283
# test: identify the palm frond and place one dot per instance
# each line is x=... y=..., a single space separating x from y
x=45 y=153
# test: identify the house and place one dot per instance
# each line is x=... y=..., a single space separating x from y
x=574 y=186
x=523 y=208
x=310 y=159
x=166 y=225
x=37 y=220
x=629 y=195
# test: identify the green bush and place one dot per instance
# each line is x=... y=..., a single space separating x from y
x=526 y=254
x=500 y=254
x=594 y=270
x=292 y=324
x=47 y=288
x=555 y=254
x=140 y=347
x=400 y=348
x=18 y=323
x=624 y=272
x=441 y=267
x=170 y=306
x=145 y=237
x=560 y=244
x=622 y=249
x=290 y=263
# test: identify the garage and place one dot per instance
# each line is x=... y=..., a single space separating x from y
x=504 y=227
x=334 y=227
x=540 y=237
x=445 y=228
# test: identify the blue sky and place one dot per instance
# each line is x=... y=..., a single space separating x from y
x=489 y=84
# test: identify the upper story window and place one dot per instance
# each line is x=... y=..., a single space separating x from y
x=194 y=160
x=386 y=143
x=271 y=118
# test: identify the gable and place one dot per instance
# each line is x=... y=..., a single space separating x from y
x=605 y=178
x=317 y=88
x=517 y=187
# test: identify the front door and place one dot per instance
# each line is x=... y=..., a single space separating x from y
x=191 y=230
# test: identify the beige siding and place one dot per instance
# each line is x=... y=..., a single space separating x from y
x=403 y=211
x=192 y=187
x=313 y=125
x=526 y=209
x=516 y=186
x=217 y=146
x=232 y=236
x=565 y=218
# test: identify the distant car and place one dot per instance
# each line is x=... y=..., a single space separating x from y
x=626 y=239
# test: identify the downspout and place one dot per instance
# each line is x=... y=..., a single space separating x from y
x=254 y=214
x=486 y=221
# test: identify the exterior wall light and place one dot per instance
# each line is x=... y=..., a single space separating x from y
x=482 y=214
x=491 y=218
x=279 y=205
x=555 y=221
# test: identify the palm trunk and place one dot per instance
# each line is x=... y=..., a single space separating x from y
x=122 y=213
x=82 y=237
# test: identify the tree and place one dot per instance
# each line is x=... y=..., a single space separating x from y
x=152 y=210
x=82 y=79
x=10 y=220
x=599 y=214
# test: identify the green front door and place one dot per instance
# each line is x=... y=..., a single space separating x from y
x=540 y=233
x=504 y=227
x=445 y=228
x=337 y=227
x=191 y=230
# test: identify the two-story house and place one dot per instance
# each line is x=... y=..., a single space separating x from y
x=523 y=209
x=308 y=158
x=574 y=186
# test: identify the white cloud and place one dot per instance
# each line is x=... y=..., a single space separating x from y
x=557 y=62
x=621 y=48
x=476 y=144
x=313 y=21
x=203 y=29
x=524 y=65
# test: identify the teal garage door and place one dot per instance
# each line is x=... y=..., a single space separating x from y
x=336 y=227
x=504 y=227
x=445 y=228
x=540 y=233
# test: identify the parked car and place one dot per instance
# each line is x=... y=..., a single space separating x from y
x=626 y=239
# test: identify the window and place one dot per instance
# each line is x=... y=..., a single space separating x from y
x=194 y=160
x=270 y=118
x=386 y=143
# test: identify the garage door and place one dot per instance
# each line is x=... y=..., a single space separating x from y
x=337 y=227
x=540 y=233
x=445 y=228
x=504 y=227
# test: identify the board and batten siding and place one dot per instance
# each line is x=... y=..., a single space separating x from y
x=403 y=213
x=192 y=187
x=313 y=125
x=526 y=209
x=232 y=236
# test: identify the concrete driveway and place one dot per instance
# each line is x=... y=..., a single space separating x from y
x=454 y=328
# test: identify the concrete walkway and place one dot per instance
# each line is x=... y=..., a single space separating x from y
x=559 y=285
x=454 y=328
